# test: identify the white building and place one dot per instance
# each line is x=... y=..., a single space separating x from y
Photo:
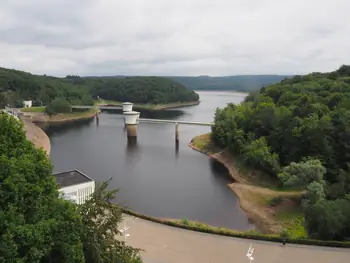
x=75 y=186
x=27 y=104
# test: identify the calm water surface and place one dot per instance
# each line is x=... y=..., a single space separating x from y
x=153 y=177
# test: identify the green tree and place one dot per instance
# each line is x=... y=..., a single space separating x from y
x=100 y=221
x=315 y=192
x=329 y=219
x=35 y=224
x=301 y=174
x=58 y=105
x=302 y=125
x=259 y=155
x=3 y=100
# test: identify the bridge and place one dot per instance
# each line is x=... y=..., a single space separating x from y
x=105 y=107
x=132 y=118
x=102 y=107
x=176 y=122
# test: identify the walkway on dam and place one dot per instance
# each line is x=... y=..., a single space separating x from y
x=164 y=244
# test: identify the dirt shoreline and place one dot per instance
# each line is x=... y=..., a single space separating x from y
x=57 y=119
x=36 y=135
x=242 y=188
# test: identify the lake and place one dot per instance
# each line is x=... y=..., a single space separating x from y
x=153 y=177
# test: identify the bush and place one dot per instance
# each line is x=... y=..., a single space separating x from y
x=58 y=105
x=275 y=201
x=185 y=221
x=284 y=233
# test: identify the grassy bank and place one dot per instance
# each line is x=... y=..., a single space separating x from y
x=204 y=228
x=273 y=211
x=33 y=109
x=149 y=106
x=72 y=116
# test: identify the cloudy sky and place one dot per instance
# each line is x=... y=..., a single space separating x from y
x=182 y=37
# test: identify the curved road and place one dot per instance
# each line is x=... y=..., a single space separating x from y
x=164 y=244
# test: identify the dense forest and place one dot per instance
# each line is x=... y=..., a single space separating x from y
x=242 y=83
x=16 y=86
x=298 y=131
x=154 y=90
x=37 y=224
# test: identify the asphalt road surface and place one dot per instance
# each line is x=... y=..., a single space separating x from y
x=164 y=244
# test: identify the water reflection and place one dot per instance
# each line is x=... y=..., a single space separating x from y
x=59 y=128
x=164 y=114
x=220 y=171
x=133 y=151
x=177 y=149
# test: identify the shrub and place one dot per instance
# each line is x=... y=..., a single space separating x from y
x=58 y=105
x=284 y=233
x=275 y=201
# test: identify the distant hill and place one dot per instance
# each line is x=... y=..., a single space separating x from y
x=244 y=83
x=16 y=86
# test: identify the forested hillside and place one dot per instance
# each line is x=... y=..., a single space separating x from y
x=243 y=83
x=16 y=86
x=298 y=131
x=154 y=90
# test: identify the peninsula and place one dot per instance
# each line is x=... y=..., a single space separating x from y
x=286 y=149
x=52 y=95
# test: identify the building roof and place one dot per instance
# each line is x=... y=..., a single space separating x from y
x=73 y=177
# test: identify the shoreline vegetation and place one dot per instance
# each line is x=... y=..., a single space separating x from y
x=154 y=107
x=37 y=114
x=272 y=211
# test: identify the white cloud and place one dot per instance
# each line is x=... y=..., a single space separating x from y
x=184 y=37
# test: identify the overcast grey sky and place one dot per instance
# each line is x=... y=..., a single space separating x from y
x=182 y=37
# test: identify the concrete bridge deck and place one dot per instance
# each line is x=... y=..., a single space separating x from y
x=176 y=121
x=164 y=244
x=100 y=107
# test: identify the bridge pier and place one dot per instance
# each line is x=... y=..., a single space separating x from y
x=131 y=119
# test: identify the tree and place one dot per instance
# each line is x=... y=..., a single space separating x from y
x=58 y=105
x=329 y=219
x=35 y=224
x=3 y=100
x=258 y=154
x=315 y=192
x=301 y=174
x=100 y=221
x=302 y=125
